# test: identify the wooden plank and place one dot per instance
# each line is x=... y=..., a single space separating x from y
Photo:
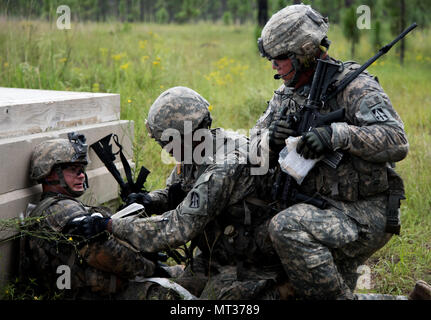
x=28 y=111
x=15 y=152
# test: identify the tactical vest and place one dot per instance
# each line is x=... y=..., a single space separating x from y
x=47 y=250
x=355 y=178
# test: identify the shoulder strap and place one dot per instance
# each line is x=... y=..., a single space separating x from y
x=343 y=78
x=47 y=202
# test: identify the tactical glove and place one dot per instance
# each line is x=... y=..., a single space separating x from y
x=141 y=198
x=88 y=227
x=279 y=131
x=176 y=195
x=315 y=143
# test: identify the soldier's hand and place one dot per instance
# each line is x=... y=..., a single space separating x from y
x=140 y=197
x=88 y=226
x=279 y=131
x=315 y=143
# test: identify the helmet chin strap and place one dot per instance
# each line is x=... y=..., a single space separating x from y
x=63 y=183
x=296 y=67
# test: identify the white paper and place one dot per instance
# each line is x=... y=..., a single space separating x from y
x=294 y=164
x=127 y=210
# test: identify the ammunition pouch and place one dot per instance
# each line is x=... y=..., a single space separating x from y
x=395 y=195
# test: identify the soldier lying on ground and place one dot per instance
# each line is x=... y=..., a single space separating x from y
x=101 y=267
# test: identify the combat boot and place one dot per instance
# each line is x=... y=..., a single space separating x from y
x=421 y=291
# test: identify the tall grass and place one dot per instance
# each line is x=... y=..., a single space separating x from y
x=140 y=61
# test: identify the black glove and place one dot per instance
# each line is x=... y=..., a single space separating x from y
x=140 y=197
x=88 y=226
x=279 y=131
x=315 y=143
x=176 y=195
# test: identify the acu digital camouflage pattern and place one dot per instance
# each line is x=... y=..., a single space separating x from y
x=372 y=136
x=99 y=269
x=216 y=215
x=330 y=244
x=173 y=107
x=322 y=249
x=51 y=152
x=295 y=29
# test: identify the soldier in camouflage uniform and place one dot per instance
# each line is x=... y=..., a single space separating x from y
x=321 y=249
x=217 y=208
x=99 y=268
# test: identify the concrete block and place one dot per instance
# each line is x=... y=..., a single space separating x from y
x=16 y=152
x=28 y=111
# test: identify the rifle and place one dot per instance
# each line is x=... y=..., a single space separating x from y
x=322 y=90
x=104 y=151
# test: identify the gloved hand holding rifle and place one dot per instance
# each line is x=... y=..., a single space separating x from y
x=314 y=127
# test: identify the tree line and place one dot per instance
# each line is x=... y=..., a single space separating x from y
x=190 y=11
x=397 y=14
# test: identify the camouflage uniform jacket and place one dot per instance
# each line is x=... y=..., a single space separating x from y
x=96 y=267
x=214 y=211
x=371 y=137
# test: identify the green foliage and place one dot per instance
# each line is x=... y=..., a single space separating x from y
x=350 y=30
x=227 y=18
x=377 y=35
x=188 y=11
x=162 y=16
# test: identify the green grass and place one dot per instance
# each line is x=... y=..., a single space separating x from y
x=140 y=61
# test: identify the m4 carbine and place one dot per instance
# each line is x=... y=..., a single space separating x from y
x=104 y=151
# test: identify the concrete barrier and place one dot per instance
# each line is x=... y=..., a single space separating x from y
x=28 y=117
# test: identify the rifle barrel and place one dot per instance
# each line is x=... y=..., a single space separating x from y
x=381 y=52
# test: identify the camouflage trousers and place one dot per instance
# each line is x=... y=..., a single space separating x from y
x=321 y=249
x=222 y=282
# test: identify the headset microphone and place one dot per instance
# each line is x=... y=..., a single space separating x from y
x=279 y=76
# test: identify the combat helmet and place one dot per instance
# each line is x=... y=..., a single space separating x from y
x=175 y=106
x=51 y=154
x=295 y=32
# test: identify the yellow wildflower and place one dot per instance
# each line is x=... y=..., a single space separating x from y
x=6 y=64
x=162 y=86
x=119 y=56
x=156 y=63
x=142 y=44
x=210 y=108
x=124 y=66
x=129 y=100
x=63 y=60
x=70 y=239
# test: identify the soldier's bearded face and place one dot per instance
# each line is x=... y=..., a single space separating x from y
x=283 y=66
